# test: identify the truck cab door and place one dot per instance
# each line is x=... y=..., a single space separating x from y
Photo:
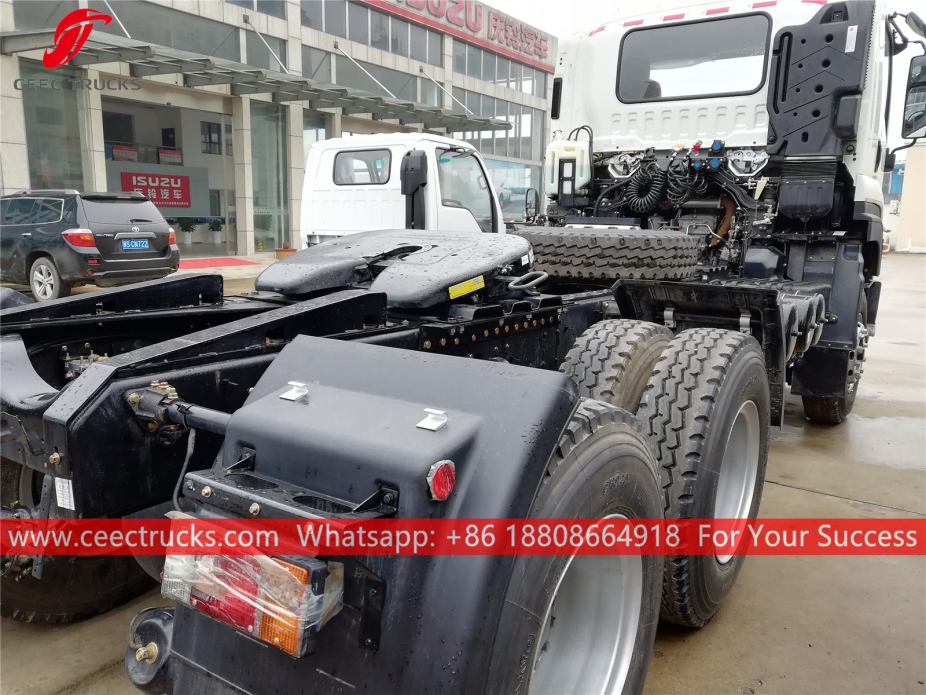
x=465 y=199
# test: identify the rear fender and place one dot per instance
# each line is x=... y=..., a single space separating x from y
x=356 y=429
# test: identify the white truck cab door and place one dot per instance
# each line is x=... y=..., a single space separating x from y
x=465 y=200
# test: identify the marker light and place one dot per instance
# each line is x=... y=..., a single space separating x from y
x=441 y=479
x=172 y=237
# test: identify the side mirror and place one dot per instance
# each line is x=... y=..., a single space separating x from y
x=916 y=24
x=914 y=112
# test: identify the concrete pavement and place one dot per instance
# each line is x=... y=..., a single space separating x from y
x=801 y=625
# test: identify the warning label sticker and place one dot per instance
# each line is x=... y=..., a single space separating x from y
x=467 y=287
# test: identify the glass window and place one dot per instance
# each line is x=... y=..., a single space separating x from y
x=435 y=49
x=316 y=64
x=682 y=61
x=514 y=76
x=488 y=66
x=430 y=94
x=473 y=61
x=463 y=184
x=487 y=137
x=311 y=12
x=527 y=131
x=379 y=30
x=40 y=14
x=537 y=141
x=473 y=102
x=459 y=57
x=401 y=84
x=46 y=210
x=514 y=135
x=248 y=4
x=540 y=84
x=399 y=37
x=364 y=167
x=17 y=211
x=259 y=56
x=336 y=17
x=501 y=136
x=527 y=79
x=459 y=98
x=164 y=26
x=269 y=171
x=314 y=129
x=275 y=8
x=501 y=73
x=418 y=43
x=215 y=203
x=211 y=137
x=52 y=130
x=118 y=127
x=358 y=23
x=120 y=210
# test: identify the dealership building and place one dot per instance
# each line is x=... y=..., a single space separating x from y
x=209 y=107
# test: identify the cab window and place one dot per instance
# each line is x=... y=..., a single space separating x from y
x=362 y=167
x=463 y=184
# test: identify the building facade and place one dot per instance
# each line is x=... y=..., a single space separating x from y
x=209 y=106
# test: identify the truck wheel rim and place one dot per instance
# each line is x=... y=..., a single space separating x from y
x=590 y=627
x=738 y=471
x=43 y=284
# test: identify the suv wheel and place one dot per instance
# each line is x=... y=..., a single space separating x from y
x=46 y=282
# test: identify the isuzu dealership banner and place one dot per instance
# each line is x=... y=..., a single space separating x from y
x=164 y=191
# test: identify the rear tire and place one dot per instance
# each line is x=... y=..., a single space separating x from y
x=45 y=281
x=706 y=412
x=599 y=635
x=613 y=360
x=610 y=254
x=71 y=588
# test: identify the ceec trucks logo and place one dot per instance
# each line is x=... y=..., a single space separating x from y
x=71 y=35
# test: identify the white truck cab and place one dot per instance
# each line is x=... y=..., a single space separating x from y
x=355 y=184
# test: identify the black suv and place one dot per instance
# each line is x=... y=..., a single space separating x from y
x=54 y=240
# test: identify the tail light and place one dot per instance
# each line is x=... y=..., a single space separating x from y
x=172 y=237
x=80 y=237
x=281 y=602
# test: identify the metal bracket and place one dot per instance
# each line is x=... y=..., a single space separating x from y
x=434 y=421
x=48 y=484
x=668 y=317
x=745 y=319
x=298 y=391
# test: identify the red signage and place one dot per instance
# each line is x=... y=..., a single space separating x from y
x=71 y=35
x=164 y=191
x=478 y=24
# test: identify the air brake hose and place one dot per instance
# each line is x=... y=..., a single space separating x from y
x=646 y=188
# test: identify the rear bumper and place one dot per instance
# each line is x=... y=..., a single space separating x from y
x=77 y=267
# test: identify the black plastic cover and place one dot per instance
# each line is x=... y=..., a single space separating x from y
x=416 y=268
x=817 y=69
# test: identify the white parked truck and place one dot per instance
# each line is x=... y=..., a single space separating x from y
x=354 y=184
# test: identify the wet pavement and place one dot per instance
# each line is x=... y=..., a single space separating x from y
x=801 y=625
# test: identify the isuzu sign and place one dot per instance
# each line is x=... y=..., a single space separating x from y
x=71 y=35
x=164 y=191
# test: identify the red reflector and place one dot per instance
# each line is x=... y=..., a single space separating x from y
x=595 y=31
x=93 y=261
x=172 y=238
x=633 y=23
x=441 y=479
x=79 y=237
x=89 y=272
x=673 y=17
x=719 y=10
x=768 y=3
